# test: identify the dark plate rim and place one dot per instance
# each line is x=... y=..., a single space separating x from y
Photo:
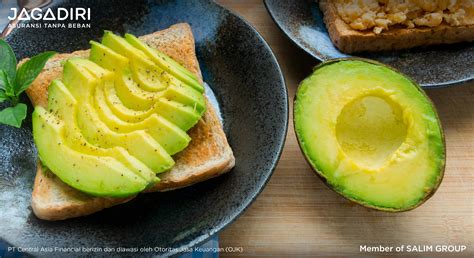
x=281 y=143
x=282 y=137
x=320 y=59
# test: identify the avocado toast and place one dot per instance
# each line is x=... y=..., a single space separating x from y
x=207 y=155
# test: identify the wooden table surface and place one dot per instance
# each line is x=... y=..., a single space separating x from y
x=298 y=215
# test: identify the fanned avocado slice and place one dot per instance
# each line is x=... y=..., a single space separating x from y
x=149 y=76
x=168 y=135
x=178 y=94
x=64 y=106
x=115 y=121
x=166 y=63
x=185 y=117
x=127 y=89
x=128 y=92
x=96 y=175
x=138 y=143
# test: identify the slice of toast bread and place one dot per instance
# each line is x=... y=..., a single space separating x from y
x=208 y=154
x=349 y=40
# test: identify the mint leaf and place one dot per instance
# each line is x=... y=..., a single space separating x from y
x=4 y=81
x=13 y=116
x=29 y=70
x=13 y=82
x=3 y=96
x=7 y=59
x=6 y=85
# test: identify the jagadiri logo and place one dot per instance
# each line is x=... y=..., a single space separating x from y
x=70 y=18
x=61 y=14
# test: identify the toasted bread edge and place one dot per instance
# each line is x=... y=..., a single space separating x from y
x=350 y=41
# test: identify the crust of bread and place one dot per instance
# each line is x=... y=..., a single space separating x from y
x=349 y=40
x=198 y=161
x=54 y=200
x=208 y=154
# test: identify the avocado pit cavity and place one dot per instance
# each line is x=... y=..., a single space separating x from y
x=370 y=129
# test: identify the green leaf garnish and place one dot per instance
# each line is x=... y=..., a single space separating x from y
x=13 y=82
x=13 y=116
x=3 y=96
x=29 y=70
x=4 y=81
x=8 y=59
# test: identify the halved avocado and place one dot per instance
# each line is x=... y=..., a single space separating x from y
x=140 y=144
x=96 y=175
x=63 y=105
x=166 y=63
x=370 y=133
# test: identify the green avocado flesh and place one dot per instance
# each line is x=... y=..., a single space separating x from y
x=96 y=175
x=64 y=106
x=113 y=121
x=171 y=137
x=191 y=100
x=166 y=63
x=371 y=133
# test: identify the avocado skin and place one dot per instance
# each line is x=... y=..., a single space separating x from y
x=319 y=173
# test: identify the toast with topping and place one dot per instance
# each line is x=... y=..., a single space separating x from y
x=208 y=154
x=366 y=34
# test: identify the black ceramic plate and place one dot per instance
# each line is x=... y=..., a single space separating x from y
x=439 y=66
x=241 y=70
